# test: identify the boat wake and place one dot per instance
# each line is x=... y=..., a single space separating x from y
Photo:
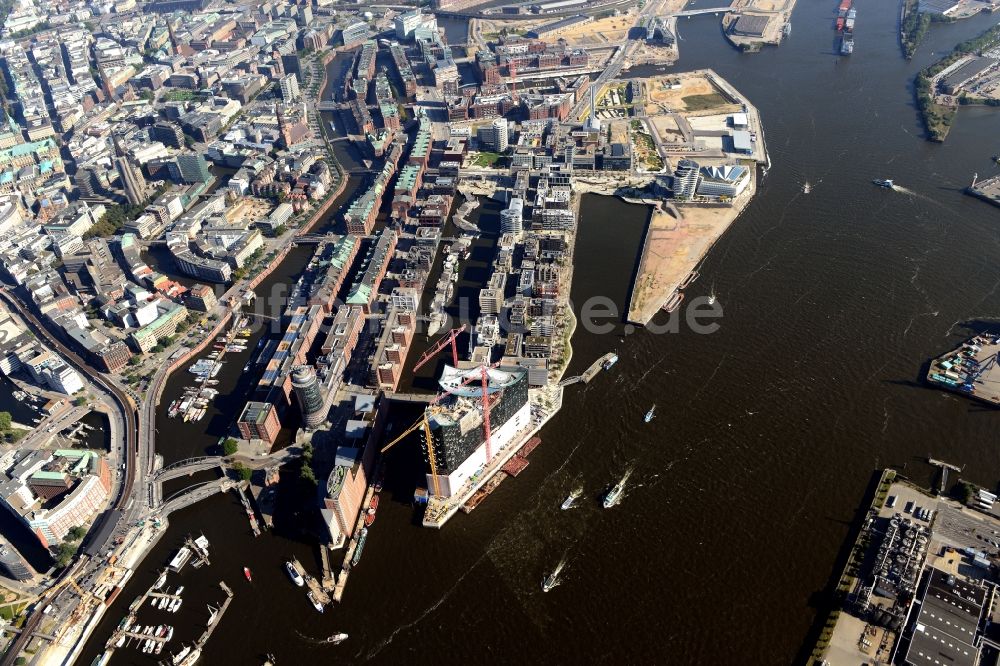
x=433 y=607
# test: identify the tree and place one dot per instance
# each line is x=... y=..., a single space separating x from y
x=65 y=554
x=230 y=446
x=76 y=533
x=242 y=471
x=5 y=420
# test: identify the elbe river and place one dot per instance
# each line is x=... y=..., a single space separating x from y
x=767 y=431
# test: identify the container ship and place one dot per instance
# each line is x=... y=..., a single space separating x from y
x=842 y=11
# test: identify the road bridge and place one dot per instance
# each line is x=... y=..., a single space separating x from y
x=194 y=494
x=188 y=467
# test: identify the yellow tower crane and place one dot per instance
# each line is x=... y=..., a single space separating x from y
x=424 y=423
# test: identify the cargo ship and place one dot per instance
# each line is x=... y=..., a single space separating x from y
x=842 y=13
x=847 y=43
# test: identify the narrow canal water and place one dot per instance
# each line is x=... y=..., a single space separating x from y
x=766 y=433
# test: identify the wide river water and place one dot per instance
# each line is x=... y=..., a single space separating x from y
x=767 y=431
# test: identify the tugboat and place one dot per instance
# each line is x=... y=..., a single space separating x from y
x=315 y=602
x=886 y=183
x=294 y=574
x=615 y=494
x=650 y=415
x=249 y=576
x=568 y=502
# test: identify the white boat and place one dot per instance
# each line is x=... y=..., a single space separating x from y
x=615 y=494
x=337 y=638
x=316 y=604
x=610 y=362
x=552 y=580
x=212 y=614
x=160 y=581
x=175 y=605
x=180 y=559
x=294 y=574
x=807 y=188
x=169 y=634
x=568 y=502
x=179 y=657
x=191 y=658
x=180 y=590
x=650 y=414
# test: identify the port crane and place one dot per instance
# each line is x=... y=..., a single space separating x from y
x=980 y=369
x=448 y=338
x=425 y=424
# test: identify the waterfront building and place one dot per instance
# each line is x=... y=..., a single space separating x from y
x=686 y=177
x=202 y=298
x=723 y=181
x=354 y=33
x=259 y=420
x=365 y=288
x=457 y=423
x=512 y=219
x=946 y=627
x=191 y=168
x=310 y=396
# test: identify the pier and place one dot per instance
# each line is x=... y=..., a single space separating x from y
x=590 y=372
x=249 y=509
x=988 y=190
x=971 y=370
x=203 y=639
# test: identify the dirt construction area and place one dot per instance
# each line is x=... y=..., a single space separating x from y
x=608 y=31
x=665 y=94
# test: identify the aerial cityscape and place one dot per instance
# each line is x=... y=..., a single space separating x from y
x=319 y=318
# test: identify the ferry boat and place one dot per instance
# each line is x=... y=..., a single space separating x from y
x=337 y=638
x=180 y=559
x=650 y=415
x=294 y=574
x=886 y=183
x=315 y=602
x=552 y=579
x=615 y=494
x=610 y=362
x=360 y=546
x=247 y=574
x=568 y=502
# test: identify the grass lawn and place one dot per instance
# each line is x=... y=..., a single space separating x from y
x=701 y=102
x=487 y=159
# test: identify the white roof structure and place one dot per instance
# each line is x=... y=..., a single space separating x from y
x=467 y=383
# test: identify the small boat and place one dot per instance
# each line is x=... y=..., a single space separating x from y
x=610 y=362
x=552 y=580
x=807 y=188
x=337 y=638
x=650 y=415
x=212 y=614
x=180 y=590
x=160 y=581
x=191 y=659
x=294 y=574
x=158 y=649
x=315 y=602
x=568 y=502
x=711 y=296
x=886 y=183
x=179 y=657
x=169 y=634
x=246 y=573
x=615 y=494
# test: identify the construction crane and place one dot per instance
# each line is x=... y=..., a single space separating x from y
x=448 y=338
x=980 y=369
x=424 y=423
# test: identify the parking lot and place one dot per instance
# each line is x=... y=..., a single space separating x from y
x=953 y=524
